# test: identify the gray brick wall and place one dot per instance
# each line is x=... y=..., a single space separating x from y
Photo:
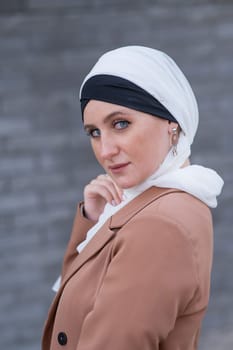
x=46 y=48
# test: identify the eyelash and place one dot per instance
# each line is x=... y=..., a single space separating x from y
x=90 y=133
x=115 y=123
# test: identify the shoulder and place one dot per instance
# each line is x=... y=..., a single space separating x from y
x=182 y=209
x=175 y=227
x=175 y=216
x=152 y=216
x=171 y=240
x=175 y=208
x=154 y=239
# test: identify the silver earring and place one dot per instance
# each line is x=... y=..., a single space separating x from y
x=174 y=142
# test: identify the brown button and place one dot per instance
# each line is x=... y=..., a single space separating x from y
x=62 y=338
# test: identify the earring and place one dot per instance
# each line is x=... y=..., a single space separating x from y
x=174 y=142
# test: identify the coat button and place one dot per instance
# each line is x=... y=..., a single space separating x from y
x=62 y=338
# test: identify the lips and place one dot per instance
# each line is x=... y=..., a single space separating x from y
x=118 y=167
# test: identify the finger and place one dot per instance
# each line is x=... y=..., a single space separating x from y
x=111 y=186
x=96 y=189
x=106 y=177
x=119 y=191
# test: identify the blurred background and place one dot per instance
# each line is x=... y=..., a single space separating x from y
x=46 y=49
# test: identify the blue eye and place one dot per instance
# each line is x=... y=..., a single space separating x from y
x=121 y=124
x=93 y=133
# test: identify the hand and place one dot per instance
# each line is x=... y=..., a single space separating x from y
x=97 y=193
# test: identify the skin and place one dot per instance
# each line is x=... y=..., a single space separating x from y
x=128 y=144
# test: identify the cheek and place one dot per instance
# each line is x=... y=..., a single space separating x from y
x=96 y=150
x=152 y=150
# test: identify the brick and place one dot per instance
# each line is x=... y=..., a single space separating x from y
x=12 y=6
x=64 y=4
x=9 y=126
x=22 y=202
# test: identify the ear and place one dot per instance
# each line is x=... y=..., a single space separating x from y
x=174 y=132
x=173 y=127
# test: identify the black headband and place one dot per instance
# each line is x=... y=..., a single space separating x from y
x=112 y=89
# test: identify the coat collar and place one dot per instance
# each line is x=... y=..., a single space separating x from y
x=137 y=204
x=110 y=227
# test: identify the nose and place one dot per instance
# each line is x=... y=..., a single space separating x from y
x=109 y=147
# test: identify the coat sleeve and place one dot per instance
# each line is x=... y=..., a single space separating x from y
x=149 y=282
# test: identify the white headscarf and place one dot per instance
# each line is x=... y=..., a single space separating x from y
x=155 y=72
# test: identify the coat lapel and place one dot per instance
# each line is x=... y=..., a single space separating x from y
x=109 y=229
x=136 y=205
x=94 y=246
x=100 y=239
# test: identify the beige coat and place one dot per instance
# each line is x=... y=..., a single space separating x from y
x=143 y=281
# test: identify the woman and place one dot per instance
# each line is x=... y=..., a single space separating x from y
x=136 y=273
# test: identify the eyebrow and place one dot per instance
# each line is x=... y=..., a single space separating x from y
x=106 y=119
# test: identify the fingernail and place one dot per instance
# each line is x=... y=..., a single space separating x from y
x=113 y=203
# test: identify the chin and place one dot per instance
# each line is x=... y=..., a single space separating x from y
x=124 y=185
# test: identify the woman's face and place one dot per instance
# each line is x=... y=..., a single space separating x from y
x=128 y=144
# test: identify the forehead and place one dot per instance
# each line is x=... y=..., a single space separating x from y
x=100 y=111
x=99 y=114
